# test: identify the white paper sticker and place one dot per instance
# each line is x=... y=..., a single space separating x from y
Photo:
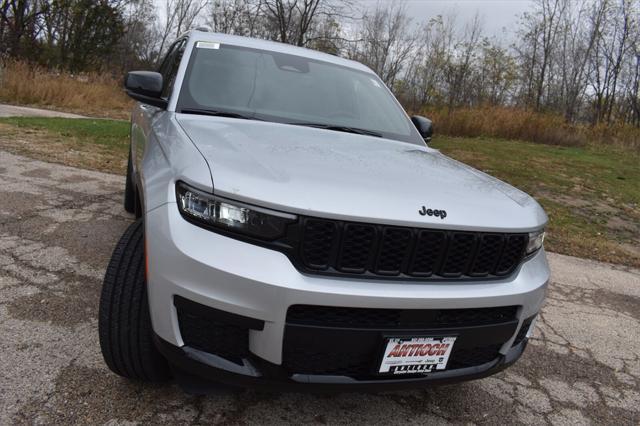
x=207 y=45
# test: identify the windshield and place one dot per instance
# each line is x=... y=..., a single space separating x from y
x=284 y=88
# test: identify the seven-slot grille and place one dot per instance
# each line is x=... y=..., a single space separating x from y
x=336 y=247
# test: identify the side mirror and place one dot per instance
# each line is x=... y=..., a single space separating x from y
x=146 y=87
x=424 y=126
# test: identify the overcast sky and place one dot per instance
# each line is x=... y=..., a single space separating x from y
x=499 y=17
x=496 y=14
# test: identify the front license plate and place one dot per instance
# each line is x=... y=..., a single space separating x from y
x=416 y=355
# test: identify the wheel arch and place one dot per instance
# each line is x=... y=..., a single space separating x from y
x=139 y=193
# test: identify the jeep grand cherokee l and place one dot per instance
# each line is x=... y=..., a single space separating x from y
x=295 y=230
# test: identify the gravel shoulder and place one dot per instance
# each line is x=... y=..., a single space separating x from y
x=58 y=225
x=20 y=111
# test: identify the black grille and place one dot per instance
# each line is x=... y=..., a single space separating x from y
x=394 y=249
x=490 y=247
x=362 y=364
x=356 y=248
x=428 y=254
x=471 y=357
x=322 y=234
x=366 y=249
x=325 y=316
x=302 y=360
x=511 y=254
x=324 y=340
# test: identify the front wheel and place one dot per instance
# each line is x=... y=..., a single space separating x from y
x=124 y=323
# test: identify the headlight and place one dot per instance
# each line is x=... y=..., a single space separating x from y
x=535 y=241
x=231 y=216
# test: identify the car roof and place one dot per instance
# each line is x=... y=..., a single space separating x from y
x=254 y=43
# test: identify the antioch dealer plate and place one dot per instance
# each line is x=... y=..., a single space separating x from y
x=415 y=355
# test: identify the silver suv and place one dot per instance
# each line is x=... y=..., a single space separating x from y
x=295 y=230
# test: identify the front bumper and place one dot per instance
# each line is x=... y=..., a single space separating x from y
x=261 y=284
x=193 y=367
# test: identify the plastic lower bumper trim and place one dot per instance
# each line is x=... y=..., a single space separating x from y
x=260 y=374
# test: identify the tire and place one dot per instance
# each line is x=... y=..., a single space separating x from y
x=129 y=189
x=124 y=323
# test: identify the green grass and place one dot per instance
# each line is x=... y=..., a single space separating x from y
x=87 y=143
x=108 y=133
x=592 y=195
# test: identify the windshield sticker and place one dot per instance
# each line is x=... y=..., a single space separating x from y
x=207 y=45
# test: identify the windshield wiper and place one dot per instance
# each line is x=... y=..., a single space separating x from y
x=217 y=113
x=337 y=128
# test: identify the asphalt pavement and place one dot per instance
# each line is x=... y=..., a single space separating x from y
x=58 y=226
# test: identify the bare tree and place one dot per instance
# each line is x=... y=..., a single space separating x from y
x=608 y=57
x=618 y=51
x=632 y=95
x=493 y=79
x=187 y=12
x=295 y=21
x=137 y=46
x=228 y=16
x=434 y=52
x=552 y=13
x=537 y=45
x=19 y=25
x=166 y=28
x=459 y=70
x=179 y=16
x=387 y=41
x=580 y=31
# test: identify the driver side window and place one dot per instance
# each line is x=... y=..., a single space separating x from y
x=169 y=67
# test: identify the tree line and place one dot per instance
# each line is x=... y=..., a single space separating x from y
x=577 y=58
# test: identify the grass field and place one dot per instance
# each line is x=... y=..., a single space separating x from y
x=92 y=94
x=531 y=126
x=87 y=143
x=592 y=194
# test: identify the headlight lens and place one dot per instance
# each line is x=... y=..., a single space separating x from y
x=536 y=239
x=231 y=216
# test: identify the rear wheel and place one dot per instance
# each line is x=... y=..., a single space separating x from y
x=129 y=189
x=124 y=323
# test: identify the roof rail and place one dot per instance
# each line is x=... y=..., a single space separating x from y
x=202 y=28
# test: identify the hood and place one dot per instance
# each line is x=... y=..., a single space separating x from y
x=338 y=175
